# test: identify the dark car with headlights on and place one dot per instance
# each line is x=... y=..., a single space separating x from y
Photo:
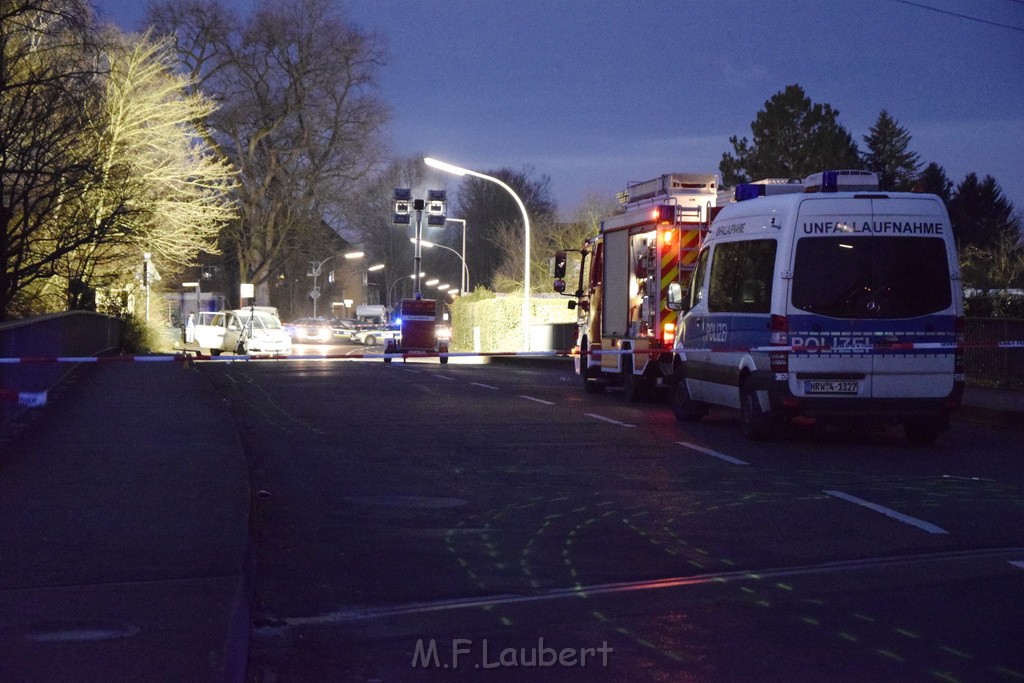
x=311 y=331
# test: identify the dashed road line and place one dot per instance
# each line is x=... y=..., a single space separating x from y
x=1018 y=564
x=608 y=419
x=889 y=512
x=537 y=400
x=714 y=454
x=485 y=386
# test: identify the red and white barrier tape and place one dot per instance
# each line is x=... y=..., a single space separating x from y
x=880 y=348
x=232 y=359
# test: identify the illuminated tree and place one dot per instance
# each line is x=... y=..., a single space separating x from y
x=170 y=192
x=47 y=89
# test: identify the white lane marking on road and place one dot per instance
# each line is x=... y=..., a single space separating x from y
x=538 y=400
x=1018 y=564
x=450 y=379
x=714 y=454
x=485 y=386
x=889 y=512
x=608 y=419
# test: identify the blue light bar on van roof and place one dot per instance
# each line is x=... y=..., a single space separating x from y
x=745 y=191
x=841 y=181
x=765 y=188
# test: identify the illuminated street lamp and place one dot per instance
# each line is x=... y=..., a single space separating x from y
x=465 y=268
x=459 y=171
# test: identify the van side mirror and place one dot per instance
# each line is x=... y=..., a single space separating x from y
x=677 y=296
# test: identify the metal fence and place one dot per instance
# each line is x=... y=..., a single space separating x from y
x=986 y=363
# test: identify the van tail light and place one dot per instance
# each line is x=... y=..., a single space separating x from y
x=778 y=327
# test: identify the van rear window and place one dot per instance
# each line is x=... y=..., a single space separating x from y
x=871 y=277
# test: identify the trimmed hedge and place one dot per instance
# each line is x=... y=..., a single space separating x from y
x=499 y=318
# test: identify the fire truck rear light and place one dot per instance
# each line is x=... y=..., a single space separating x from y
x=668 y=236
x=669 y=335
x=664 y=214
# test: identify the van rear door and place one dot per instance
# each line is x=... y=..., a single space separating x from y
x=871 y=283
x=831 y=356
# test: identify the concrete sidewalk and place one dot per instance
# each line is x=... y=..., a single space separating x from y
x=124 y=532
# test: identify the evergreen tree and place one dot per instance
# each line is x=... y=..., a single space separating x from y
x=981 y=215
x=792 y=137
x=933 y=180
x=888 y=155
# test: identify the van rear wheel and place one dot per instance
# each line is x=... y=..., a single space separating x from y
x=756 y=425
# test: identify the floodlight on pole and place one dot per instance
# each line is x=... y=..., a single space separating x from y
x=459 y=171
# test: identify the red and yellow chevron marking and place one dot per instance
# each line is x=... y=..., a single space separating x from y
x=679 y=249
x=668 y=243
x=689 y=247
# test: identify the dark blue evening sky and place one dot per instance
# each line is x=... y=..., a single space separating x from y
x=596 y=93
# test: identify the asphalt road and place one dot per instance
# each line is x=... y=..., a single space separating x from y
x=418 y=522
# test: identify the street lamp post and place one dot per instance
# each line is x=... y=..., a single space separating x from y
x=465 y=268
x=317 y=266
x=198 y=297
x=459 y=171
x=364 y=274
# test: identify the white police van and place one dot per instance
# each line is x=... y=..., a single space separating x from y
x=824 y=299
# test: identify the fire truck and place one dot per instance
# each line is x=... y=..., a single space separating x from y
x=626 y=330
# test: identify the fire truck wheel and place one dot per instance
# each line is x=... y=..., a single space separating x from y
x=591 y=383
x=683 y=407
x=637 y=387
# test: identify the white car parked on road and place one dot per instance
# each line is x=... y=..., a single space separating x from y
x=242 y=331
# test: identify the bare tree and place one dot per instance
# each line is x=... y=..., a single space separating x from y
x=547 y=237
x=299 y=116
x=491 y=211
